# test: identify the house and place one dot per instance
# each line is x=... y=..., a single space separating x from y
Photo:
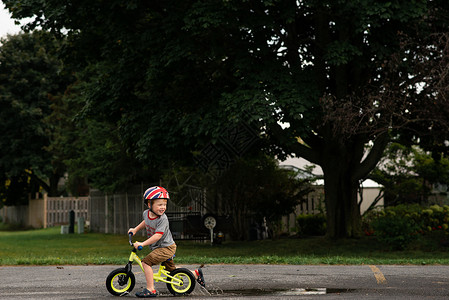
x=370 y=192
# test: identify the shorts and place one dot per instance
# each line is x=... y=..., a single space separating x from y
x=160 y=255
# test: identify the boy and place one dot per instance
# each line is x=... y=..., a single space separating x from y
x=159 y=240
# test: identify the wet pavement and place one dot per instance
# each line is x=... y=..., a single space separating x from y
x=239 y=282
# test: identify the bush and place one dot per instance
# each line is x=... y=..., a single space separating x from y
x=400 y=225
x=395 y=231
x=311 y=224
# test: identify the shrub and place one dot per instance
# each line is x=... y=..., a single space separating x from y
x=395 y=231
x=398 y=226
x=311 y=224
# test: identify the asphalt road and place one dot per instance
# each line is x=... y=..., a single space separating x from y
x=240 y=282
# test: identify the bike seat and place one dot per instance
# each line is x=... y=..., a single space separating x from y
x=173 y=257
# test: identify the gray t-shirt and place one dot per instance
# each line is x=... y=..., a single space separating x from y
x=158 y=225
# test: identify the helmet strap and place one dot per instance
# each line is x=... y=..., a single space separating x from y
x=154 y=212
x=150 y=207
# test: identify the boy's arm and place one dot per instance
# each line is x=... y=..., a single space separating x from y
x=137 y=228
x=156 y=237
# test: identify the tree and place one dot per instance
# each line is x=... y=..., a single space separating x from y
x=15 y=189
x=30 y=76
x=100 y=159
x=338 y=74
x=408 y=174
x=255 y=190
x=251 y=192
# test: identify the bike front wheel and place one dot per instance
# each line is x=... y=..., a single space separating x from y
x=182 y=283
x=117 y=284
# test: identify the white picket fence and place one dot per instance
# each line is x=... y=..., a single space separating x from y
x=58 y=209
x=46 y=211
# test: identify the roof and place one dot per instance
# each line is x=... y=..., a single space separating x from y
x=367 y=183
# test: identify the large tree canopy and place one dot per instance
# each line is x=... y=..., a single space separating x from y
x=337 y=74
x=31 y=78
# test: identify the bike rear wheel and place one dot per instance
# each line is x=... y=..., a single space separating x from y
x=183 y=284
x=116 y=284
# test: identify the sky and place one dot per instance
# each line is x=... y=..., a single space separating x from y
x=7 y=25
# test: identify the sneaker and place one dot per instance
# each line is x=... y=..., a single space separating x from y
x=146 y=294
x=200 y=277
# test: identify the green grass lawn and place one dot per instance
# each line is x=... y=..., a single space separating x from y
x=49 y=247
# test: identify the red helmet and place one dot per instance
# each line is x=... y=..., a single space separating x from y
x=155 y=192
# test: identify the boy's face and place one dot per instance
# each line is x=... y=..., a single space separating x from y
x=159 y=206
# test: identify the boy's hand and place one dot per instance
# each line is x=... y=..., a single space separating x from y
x=137 y=244
x=132 y=230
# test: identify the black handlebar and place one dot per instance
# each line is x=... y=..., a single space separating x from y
x=131 y=242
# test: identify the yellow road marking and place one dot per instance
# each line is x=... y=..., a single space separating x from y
x=378 y=274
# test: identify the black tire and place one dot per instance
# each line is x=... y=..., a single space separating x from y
x=115 y=284
x=188 y=282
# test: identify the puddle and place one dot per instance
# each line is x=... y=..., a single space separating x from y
x=212 y=291
x=206 y=292
x=297 y=292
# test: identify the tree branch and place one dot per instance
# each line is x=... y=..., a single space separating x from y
x=371 y=160
x=294 y=146
x=42 y=183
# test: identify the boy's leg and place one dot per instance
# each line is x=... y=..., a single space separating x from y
x=149 y=291
x=199 y=277
x=149 y=277
x=169 y=265
x=155 y=257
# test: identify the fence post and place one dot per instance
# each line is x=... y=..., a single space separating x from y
x=114 y=212
x=127 y=211
x=89 y=210
x=45 y=210
x=106 y=213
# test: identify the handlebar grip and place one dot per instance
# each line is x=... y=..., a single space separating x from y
x=131 y=243
x=130 y=235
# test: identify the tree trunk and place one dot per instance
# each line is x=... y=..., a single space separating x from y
x=343 y=214
x=344 y=163
x=343 y=167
